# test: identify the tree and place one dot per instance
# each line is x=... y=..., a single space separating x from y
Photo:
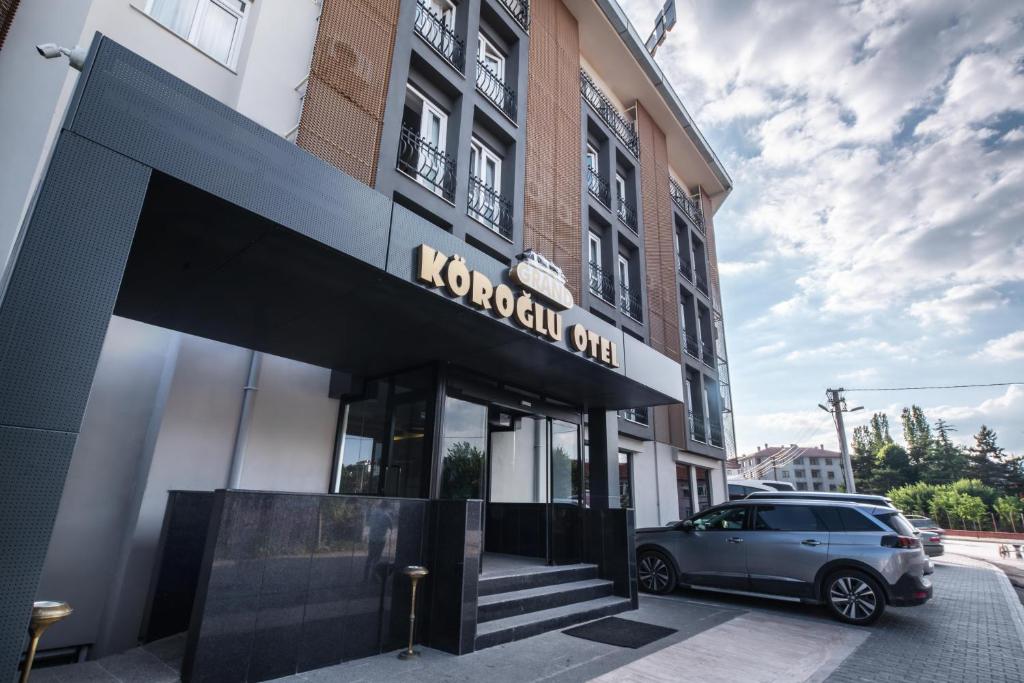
x=976 y=488
x=943 y=506
x=945 y=461
x=867 y=441
x=1008 y=508
x=916 y=433
x=915 y=499
x=986 y=459
x=460 y=479
x=892 y=468
x=970 y=508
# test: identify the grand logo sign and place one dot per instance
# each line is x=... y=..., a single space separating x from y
x=451 y=273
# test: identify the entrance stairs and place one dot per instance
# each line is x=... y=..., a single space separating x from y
x=516 y=605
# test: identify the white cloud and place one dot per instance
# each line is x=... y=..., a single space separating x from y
x=849 y=349
x=1010 y=347
x=734 y=268
x=769 y=349
x=956 y=306
x=859 y=375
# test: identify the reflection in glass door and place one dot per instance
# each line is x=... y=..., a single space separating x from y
x=518 y=461
x=565 y=462
x=463 y=447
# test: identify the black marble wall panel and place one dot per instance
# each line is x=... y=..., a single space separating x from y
x=178 y=562
x=456 y=533
x=293 y=582
x=609 y=543
x=517 y=529
x=566 y=533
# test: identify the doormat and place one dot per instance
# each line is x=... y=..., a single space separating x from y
x=621 y=632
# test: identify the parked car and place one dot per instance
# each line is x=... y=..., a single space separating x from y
x=740 y=488
x=866 y=498
x=851 y=557
x=930 y=534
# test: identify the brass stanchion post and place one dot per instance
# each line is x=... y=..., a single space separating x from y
x=415 y=573
x=45 y=614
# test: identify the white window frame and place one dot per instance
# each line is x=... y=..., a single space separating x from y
x=593 y=159
x=595 y=249
x=191 y=35
x=428 y=109
x=443 y=10
x=620 y=189
x=623 y=271
x=486 y=48
x=479 y=155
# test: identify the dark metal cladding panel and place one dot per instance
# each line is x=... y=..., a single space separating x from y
x=146 y=113
x=62 y=290
x=7 y=10
x=33 y=464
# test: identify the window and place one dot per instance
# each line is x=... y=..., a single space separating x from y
x=799 y=474
x=623 y=271
x=815 y=474
x=814 y=461
x=485 y=167
x=853 y=520
x=833 y=487
x=684 y=491
x=787 y=518
x=595 y=250
x=724 y=519
x=214 y=26
x=463 y=445
x=817 y=486
x=625 y=479
x=831 y=474
x=801 y=486
x=736 y=491
x=592 y=159
x=703 y=488
x=429 y=162
x=620 y=189
x=798 y=461
x=491 y=57
x=442 y=10
x=896 y=522
x=785 y=474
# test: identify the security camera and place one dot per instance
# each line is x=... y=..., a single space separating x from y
x=49 y=50
x=76 y=56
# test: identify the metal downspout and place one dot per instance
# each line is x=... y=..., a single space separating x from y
x=244 y=420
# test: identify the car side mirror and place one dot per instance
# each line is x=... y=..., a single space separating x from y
x=686 y=526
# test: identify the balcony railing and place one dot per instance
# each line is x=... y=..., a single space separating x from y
x=601 y=283
x=708 y=354
x=715 y=434
x=494 y=89
x=691 y=345
x=689 y=206
x=701 y=282
x=696 y=423
x=635 y=415
x=685 y=269
x=598 y=187
x=630 y=303
x=624 y=130
x=438 y=36
x=426 y=164
x=627 y=214
x=489 y=207
x=520 y=11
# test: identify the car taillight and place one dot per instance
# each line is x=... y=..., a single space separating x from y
x=893 y=541
x=935 y=539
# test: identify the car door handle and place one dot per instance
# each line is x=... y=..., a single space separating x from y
x=734 y=539
x=810 y=541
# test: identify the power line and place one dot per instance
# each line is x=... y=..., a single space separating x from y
x=947 y=386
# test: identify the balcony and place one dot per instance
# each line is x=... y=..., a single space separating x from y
x=598 y=187
x=636 y=416
x=495 y=90
x=630 y=303
x=520 y=11
x=702 y=283
x=689 y=206
x=685 y=269
x=489 y=207
x=715 y=434
x=696 y=424
x=426 y=164
x=627 y=214
x=601 y=283
x=708 y=354
x=624 y=130
x=438 y=36
x=691 y=345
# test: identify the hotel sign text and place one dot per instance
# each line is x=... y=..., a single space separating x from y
x=436 y=269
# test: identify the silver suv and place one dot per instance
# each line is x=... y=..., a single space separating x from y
x=852 y=557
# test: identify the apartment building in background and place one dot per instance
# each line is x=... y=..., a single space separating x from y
x=809 y=468
x=356 y=284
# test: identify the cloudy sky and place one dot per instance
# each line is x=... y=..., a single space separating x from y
x=875 y=236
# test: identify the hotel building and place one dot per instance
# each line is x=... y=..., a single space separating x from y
x=300 y=293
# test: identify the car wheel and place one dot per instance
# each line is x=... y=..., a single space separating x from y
x=655 y=572
x=854 y=597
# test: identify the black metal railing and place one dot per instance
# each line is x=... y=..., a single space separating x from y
x=444 y=40
x=624 y=130
x=630 y=303
x=715 y=434
x=520 y=11
x=423 y=162
x=707 y=354
x=627 y=214
x=697 y=430
x=685 y=269
x=701 y=282
x=635 y=415
x=494 y=89
x=489 y=207
x=598 y=187
x=688 y=205
x=691 y=345
x=601 y=283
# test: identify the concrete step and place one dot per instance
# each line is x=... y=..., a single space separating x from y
x=511 y=603
x=534 y=577
x=521 y=626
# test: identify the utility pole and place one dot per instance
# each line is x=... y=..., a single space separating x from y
x=837 y=407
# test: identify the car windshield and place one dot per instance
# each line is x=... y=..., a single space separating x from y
x=924 y=523
x=896 y=522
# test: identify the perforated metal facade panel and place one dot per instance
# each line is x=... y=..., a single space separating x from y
x=552 y=221
x=343 y=112
x=7 y=10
